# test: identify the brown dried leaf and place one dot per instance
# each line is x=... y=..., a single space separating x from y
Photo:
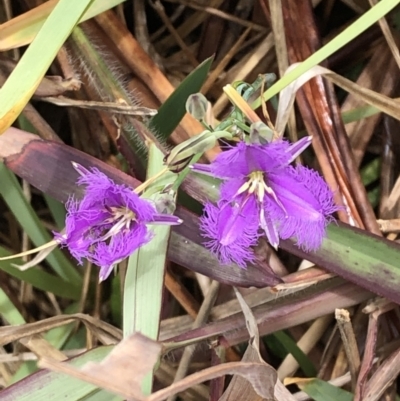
x=239 y=388
x=122 y=371
x=131 y=360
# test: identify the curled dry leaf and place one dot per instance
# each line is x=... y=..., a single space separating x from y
x=123 y=370
x=287 y=95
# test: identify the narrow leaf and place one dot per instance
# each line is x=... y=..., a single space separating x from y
x=172 y=111
x=28 y=73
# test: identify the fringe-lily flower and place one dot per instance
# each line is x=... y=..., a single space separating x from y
x=109 y=223
x=263 y=194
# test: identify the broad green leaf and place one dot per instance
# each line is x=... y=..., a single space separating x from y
x=365 y=259
x=320 y=390
x=172 y=111
x=21 y=30
x=360 y=25
x=28 y=73
x=27 y=218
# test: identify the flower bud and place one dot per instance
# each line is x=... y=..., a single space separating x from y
x=196 y=105
x=182 y=154
x=260 y=133
x=165 y=202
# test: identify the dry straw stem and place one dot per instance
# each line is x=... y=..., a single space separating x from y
x=389 y=226
x=388 y=36
x=278 y=30
x=368 y=359
x=306 y=343
x=161 y=12
x=181 y=294
x=383 y=377
x=361 y=131
x=213 y=76
x=221 y=14
x=188 y=26
x=349 y=342
x=105 y=332
x=145 y=68
x=201 y=318
x=241 y=104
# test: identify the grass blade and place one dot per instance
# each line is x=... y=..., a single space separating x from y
x=28 y=73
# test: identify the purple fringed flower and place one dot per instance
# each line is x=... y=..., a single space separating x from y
x=109 y=223
x=263 y=194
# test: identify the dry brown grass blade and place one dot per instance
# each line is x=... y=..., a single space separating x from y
x=383 y=377
x=367 y=361
x=349 y=342
x=145 y=68
x=320 y=111
x=49 y=85
x=181 y=294
x=105 y=332
x=388 y=36
x=360 y=131
x=306 y=343
x=200 y=319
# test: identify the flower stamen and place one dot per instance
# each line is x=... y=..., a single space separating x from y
x=122 y=217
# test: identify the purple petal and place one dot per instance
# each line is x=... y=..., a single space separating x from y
x=244 y=159
x=270 y=229
x=308 y=202
x=231 y=232
x=168 y=219
x=120 y=247
x=201 y=168
x=295 y=149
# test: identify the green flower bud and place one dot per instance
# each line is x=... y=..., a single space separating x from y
x=165 y=202
x=197 y=105
x=182 y=154
x=260 y=133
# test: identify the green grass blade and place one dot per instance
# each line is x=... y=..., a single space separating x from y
x=16 y=33
x=57 y=210
x=292 y=348
x=355 y=29
x=25 y=78
x=9 y=312
x=39 y=279
x=172 y=111
x=320 y=390
x=23 y=212
x=145 y=276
